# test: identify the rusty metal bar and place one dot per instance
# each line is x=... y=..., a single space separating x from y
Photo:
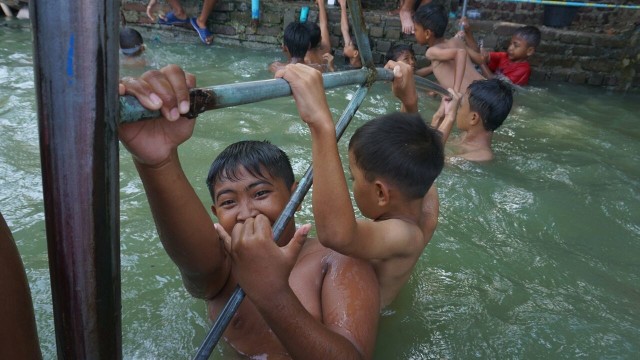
x=76 y=78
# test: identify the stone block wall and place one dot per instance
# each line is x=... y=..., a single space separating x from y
x=601 y=58
x=587 y=19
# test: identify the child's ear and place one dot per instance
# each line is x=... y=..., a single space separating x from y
x=474 y=118
x=530 y=51
x=214 y=211
x=428 y=34
x=382 y=193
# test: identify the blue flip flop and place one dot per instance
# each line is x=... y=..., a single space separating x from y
x=202 y=33
x=171 y=19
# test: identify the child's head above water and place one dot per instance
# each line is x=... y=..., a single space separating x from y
x=131 y=42
x=256 y=157
x=398 y=148
x=315 y=35
x=431 y=17
x=403 y=53
x=524 y=42
x=297 y=39
x=491 y=100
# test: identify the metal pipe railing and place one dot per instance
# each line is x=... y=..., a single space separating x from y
x=221 y=96
x=576 y=4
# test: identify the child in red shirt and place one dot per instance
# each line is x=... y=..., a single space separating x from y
x=512 y=64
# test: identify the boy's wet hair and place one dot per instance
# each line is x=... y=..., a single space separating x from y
x=297 y=39
x=397 y=50
x=530 y=34
x=254 y=156
x=400 y=148
x=130 y=41
x=315 y=35
x=432 y=17
x=492 y=100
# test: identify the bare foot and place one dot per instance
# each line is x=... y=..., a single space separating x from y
x=407 y=21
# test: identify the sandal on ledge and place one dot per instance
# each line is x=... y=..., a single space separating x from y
x=205 y=35
x=171 y=19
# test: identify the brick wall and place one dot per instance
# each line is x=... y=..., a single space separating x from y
x=603 y=58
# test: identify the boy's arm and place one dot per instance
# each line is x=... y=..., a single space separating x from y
x=424 y=71
x=336 y=223
x=349 y=298
x=403 y=85
x=430 y=212
x=467 y=35
x=325 y=41
x=344 y=22
x=450 y=111
x=459 y=57
x=184 y=227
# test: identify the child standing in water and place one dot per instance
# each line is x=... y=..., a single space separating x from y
x=393 y=159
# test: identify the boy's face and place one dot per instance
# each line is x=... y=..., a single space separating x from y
x=519 y=49
x=352 y=54
x=249 y=196
x=420 y=34
x=407 y=58
x=364 y=192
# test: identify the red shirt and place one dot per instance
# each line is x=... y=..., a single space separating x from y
x=517 y=72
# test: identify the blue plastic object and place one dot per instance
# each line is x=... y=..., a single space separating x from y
x=304 y=13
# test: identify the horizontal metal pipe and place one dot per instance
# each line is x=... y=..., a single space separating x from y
x=221 y=96
x=577 y=4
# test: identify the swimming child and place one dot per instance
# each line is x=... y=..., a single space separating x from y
x=350 y=51
x=132 y=47
x=403 y=53
x=478 y=113
x=320 y=45
x=394 y=160
x=296 y=43
x=303 y=300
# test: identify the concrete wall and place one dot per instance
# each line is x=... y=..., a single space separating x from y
x=606 y=55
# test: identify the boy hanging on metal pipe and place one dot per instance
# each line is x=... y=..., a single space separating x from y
x=393 y=160
x=303 y=300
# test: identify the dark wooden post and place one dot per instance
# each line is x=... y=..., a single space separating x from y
x=76 y=76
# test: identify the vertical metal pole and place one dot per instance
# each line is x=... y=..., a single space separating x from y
x=76 y=78
x=360 y=33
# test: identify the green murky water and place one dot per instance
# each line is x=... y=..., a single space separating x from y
x=536 y=254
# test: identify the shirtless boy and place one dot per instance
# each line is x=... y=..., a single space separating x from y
x=296 y=43
x=477 y=113
x=450 y=63
x=320 y=45
x=303 y=300
x=394 y=160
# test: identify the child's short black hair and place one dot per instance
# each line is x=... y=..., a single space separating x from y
x=530 y=34
x=492 y=100
x=399 y=148
x=315 y=35
x=297 y=39
x=130 y=41
x=255 y=157
x=396 y=50
x=432 y=17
